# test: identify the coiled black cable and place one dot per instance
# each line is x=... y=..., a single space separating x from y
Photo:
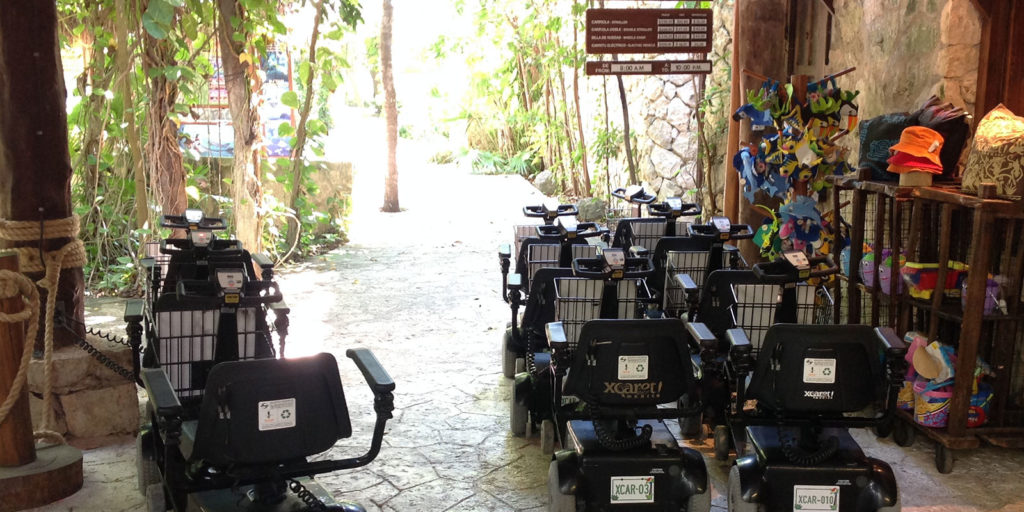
x=608 y=440
x=307 y=497
x=797 y=455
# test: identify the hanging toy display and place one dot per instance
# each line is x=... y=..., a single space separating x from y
x=808 y=120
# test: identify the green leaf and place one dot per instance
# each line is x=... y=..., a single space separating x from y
x=162 y=12
x=176 y=3
x=290 y=99
x=124 y=260
x=154 y=28
x=285 y=129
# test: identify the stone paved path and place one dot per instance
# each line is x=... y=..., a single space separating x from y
x=421 y=288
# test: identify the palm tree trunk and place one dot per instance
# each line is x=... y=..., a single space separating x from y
x=390 y=110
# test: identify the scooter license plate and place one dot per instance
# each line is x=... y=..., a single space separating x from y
x=632 y=489
x=815 y=497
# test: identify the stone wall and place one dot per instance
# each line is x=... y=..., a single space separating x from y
x=905 y=51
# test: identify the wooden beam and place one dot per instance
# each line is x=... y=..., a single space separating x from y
x=16 y=445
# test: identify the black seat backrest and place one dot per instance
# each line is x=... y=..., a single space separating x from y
x=540 y=304
x=818 y=369
x=632 y=363
x=271 y=410
x=717 y=299
x=629 y=232
x=656 y=282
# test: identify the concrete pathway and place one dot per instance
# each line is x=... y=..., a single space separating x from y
x=421 y=288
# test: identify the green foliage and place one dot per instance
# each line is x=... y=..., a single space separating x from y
x=103 y=187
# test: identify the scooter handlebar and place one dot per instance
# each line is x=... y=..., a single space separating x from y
x=179 y=222
x=666 y=210
x=736 y=231
x=539 y=211
x=640 y=197
x=583 y=230
x=781 y=271
x=594 y=268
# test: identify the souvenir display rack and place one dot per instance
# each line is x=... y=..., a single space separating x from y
x=936 y=225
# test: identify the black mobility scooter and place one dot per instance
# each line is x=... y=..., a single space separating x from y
x=665 y=219
x=752 y=300
x=619 y=455
x=546 y=255
x=681 y=263
x=230 y=425
x=808 y=381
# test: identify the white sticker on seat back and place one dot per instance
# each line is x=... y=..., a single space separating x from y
x=633 y=367
x=276 y=414
x=819 y=371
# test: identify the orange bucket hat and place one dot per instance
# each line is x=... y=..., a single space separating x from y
x=920 y=141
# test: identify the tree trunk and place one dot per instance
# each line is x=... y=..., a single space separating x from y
x=35 y=166
x=163 y=155
x=579 y=120
x=246 y=188
x=125 y=69
x=390 y=111
x=300 y=131
x=769 y=60
x=633 y=180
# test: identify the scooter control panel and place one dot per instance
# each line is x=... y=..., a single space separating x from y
x=193 y=216
x=201 y=238
x=230 y=280
x=797 y=258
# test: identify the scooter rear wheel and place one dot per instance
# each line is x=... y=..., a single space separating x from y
x=559 y=502
x=735 y=495
x=508 y=357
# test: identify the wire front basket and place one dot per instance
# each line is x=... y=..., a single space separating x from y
x=645 y=233
x=693 y=263
x=578 y=300
x=755 y=304
x=547 y=256
x=186 y=344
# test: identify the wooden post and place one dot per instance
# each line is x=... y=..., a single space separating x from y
x=970 y=329
x=732 y=178
x=16 y=445
x=759 y=21
x=35 y=166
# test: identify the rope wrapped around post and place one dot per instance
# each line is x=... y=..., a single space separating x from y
x=70 y=255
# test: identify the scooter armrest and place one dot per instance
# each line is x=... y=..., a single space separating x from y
x=515 y=282
x=890 y=339
x=161 y=393
x=133 y=310
x=701 y=336
x=556 y=335
x=375 y=374
x=279 y=307
x=686 y=282
x=505 y=251
x=740 y=350
x=639 y=251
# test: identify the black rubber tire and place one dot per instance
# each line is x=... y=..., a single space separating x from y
x=699 y=502
x=882 y=431
x=155 y=500
x=721 y=440
x=547 y=437
x=559 y=502
x=508 y=357
x=519 y=416
x=903 y=433
x=735 y=501
x=896 y=507
x=146 y=470
x=943 y=459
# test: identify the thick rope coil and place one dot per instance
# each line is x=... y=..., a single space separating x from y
x=13 y=284
x=71 y=255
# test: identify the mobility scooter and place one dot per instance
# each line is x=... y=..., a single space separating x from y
x=808 y=381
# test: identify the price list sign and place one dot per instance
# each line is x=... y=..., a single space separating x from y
x=648 y=31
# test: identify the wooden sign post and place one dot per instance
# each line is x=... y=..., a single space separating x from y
x=16 y=446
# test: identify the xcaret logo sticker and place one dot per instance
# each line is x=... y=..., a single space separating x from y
x=635 y=389
x=819 y=395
